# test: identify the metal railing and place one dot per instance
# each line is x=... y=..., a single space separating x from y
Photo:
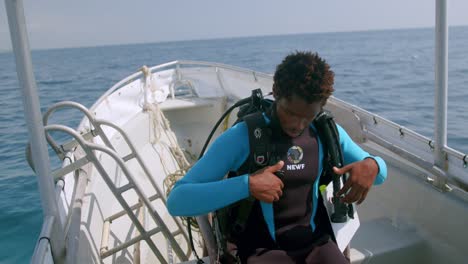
x=32 y=111
x=411 y=146
x=120 y=159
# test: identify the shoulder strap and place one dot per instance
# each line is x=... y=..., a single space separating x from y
x=328 y=133
x=259 y=134
x=231 y=220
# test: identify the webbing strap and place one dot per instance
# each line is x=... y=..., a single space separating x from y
x=259 y=140
x=329 y=135
x=259 y=156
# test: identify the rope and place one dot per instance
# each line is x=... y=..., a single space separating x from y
x=160 y=125
x=160 y=128
x=156 y=124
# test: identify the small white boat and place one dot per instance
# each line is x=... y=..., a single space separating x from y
x=133 y=138
x=108 y=199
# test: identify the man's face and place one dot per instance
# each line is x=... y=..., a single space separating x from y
x=295 y=114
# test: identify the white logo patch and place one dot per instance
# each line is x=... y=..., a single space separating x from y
x=295 y=155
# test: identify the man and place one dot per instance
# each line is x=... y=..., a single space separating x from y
x=285 y=225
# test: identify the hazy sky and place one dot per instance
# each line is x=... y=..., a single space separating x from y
x=53 y=24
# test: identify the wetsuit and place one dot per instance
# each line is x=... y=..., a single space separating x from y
x=281 y=231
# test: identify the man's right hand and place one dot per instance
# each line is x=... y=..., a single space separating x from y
x=264 y=185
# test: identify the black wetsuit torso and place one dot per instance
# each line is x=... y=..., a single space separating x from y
x=292 y=213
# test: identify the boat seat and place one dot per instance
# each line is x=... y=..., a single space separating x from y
x=378 y=241
x=178 y=104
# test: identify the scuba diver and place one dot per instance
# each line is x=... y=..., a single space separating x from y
x=275 y=168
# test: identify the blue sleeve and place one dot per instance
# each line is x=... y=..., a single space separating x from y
x=203 y=189
x=352 y=153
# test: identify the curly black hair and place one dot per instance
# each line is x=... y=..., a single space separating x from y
x=306 y=75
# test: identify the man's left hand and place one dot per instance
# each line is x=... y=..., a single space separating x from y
x=361 y=177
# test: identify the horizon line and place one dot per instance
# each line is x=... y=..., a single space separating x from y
x=227 y=37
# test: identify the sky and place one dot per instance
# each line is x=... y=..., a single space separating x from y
x=59 y=24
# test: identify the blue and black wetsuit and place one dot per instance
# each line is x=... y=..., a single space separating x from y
x=288 y=224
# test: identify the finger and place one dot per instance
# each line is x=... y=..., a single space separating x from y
x=363 y=196
x=353 y=196
x=258 y=172
x=345 y=188
x=342 y=170
x=275 y=167
x=280 y=193
x=281 y=183
x=268 y=199
x=275 y=197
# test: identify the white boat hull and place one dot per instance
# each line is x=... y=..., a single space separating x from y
x=411 y=218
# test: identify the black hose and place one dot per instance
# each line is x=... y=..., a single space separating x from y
x=239 y=103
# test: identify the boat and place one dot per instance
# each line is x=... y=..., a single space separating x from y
x=106 y=203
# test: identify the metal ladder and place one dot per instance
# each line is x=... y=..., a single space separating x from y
x=89 y=148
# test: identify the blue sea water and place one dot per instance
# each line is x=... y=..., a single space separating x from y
x=388 y=72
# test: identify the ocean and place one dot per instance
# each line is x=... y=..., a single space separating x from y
x=389 y=72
